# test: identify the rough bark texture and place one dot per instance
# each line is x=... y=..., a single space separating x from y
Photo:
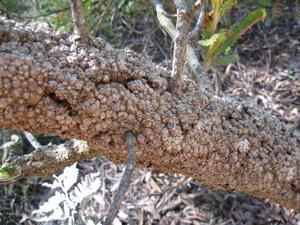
x=184 y=19
x=51 y=85
x=191 y=58
x=179 y=53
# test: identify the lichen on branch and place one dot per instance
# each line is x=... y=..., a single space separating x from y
x=49 y=84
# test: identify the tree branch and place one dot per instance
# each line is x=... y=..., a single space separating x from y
x=125 y=181
x=50 y=159
x=195 y=32
x=80 y=28
x=51 y=85
x=32 y=140
x=182 y=27
x=191 y=58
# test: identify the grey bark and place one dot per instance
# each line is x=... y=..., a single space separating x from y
x=196 y=68
x=80 y=28
x=180 y=43
x=49 y=84
x=184 y=19
x=124 y=183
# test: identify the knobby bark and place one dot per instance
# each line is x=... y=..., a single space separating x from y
x=179 y=53
x=49 y=84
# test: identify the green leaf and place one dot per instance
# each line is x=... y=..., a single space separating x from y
x=227 y=50
x=266 y=3
x=210 y=41
x=239 y=29
x=8 y=173
x=213 y=42
x=225 y=60
x=226 y=7
x=216 y=43
x=216 y=4
x=205 y=33
x=87 y=5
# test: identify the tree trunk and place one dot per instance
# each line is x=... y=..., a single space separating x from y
x=49 y=84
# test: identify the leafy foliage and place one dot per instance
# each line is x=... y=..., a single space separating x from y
x=217 y=41
x=240 y=28
x=225 y=60
x=104 y=18
x=8 y=173
x=8 y=7
x=277 y=9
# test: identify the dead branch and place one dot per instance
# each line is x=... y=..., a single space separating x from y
x=47 y=87
x=40 y=161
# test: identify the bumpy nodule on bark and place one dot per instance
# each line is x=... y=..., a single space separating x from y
x=49 y=84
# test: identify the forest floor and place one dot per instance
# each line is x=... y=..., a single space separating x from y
x=268 y=73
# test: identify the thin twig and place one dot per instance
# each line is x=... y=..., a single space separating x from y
x=48 y=13
x=80 y=28
x=125 y=181
x=217 y=81
x=131 y=28
x=184 y=19
x=194 y=33
x=196 y=68
x=41 y=161
x=51 y=12
x=196 y=7
x=160 y=48
x=55 y=11
x=32 y=140
x=6 y=10
x=12 y=147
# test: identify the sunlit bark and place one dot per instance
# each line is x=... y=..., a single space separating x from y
x=49 y=84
